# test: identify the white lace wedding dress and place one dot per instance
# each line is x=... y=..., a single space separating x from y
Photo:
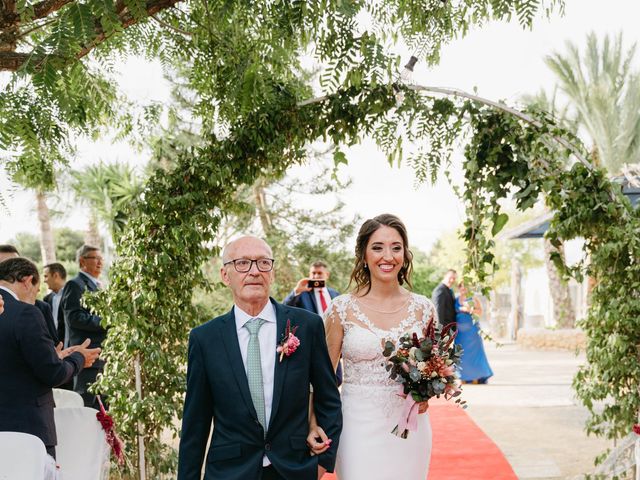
x=371 y=406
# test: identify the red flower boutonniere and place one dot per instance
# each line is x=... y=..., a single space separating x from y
x=290 y=342
x=636 y=429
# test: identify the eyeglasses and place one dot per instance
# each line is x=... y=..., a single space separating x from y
x=243 y=265
x=94 y=258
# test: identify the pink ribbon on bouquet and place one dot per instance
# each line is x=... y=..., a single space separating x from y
x=409 y=418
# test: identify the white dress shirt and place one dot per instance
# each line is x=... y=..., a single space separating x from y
x=268 y=343
x=55 y=305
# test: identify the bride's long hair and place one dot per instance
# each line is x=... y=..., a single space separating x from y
x=361 y=275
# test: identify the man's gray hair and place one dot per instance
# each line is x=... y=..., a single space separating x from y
x=229 y=246
x=85 y=250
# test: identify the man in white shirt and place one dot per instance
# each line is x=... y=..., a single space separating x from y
x=55 y=276
x=314 y=295
x=80 y=322
x=255 y=393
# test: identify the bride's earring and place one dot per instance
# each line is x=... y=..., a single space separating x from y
x=366 y=266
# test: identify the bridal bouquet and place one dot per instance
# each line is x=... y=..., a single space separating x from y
x=425 y=367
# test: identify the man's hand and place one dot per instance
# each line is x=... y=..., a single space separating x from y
x=317 y=440
x=302 y=286
x=63 y=353
x=321 y=471
x=90 y=354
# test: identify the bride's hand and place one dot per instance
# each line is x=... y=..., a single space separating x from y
x=423 y=407
x=317 y=447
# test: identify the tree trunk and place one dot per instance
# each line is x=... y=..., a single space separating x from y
x=563 y=310
x=92 y=236
x=47 y=245
x=262 y=207
x=515 y=316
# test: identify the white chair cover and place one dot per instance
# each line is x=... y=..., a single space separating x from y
x=67 y=398
x=82 y=451
x=22 y=457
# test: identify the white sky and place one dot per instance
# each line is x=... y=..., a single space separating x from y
x=501 y=60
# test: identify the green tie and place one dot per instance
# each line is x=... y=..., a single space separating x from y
x=254 y=369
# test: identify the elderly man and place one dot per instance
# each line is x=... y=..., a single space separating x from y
x=444 y=300
x=30 y=364
x=80 y=322
x=257 y=396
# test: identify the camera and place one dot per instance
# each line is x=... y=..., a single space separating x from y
x=315 y=283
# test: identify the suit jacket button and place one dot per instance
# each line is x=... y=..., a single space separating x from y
x=267 y=447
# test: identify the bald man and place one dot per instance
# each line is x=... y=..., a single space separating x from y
x=257 y=398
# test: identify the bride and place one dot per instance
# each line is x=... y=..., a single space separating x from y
x=357 y=324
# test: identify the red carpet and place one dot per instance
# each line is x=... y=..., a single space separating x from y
x=461 y=450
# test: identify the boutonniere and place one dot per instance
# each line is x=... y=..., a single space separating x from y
x=290 y=342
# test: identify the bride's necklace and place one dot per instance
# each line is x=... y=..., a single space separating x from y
x=384 y=311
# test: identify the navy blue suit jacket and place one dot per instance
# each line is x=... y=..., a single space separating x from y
x=29 y=368
x=79 y=321
x=48 y=299
x=306 y=300
x=218 y=391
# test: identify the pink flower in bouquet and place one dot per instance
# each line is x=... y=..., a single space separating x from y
x=290 y=342
x=446 y=370
x=636 y=428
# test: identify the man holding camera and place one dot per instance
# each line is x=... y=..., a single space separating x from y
x=312 y=294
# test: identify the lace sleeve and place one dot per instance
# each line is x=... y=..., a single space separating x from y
x=428 y=310
x=334 y=330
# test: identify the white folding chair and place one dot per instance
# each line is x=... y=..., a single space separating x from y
x=22 y=457
x=82 y=451
x=67 y=398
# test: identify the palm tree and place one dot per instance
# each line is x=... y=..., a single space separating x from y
x=109 y=190
x=604 y=92
x=563 y=310
x=40 y=183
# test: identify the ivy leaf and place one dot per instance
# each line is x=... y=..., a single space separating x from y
x=498 y=223
x=339 y=158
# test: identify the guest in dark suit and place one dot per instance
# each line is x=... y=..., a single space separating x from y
x=9 y=251
x=80 y=322
x=30 y=364
x=444 y=300
x=315 y=299
x=55 y=276
x=257 y=398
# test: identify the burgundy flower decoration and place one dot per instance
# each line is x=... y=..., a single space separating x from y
x=636 y=429
x=112 y=438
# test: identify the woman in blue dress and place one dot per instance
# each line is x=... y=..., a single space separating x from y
x=474 y=364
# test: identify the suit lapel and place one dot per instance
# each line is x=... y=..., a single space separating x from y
x=281 y=367
x=232 y=347
x=312 y=301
